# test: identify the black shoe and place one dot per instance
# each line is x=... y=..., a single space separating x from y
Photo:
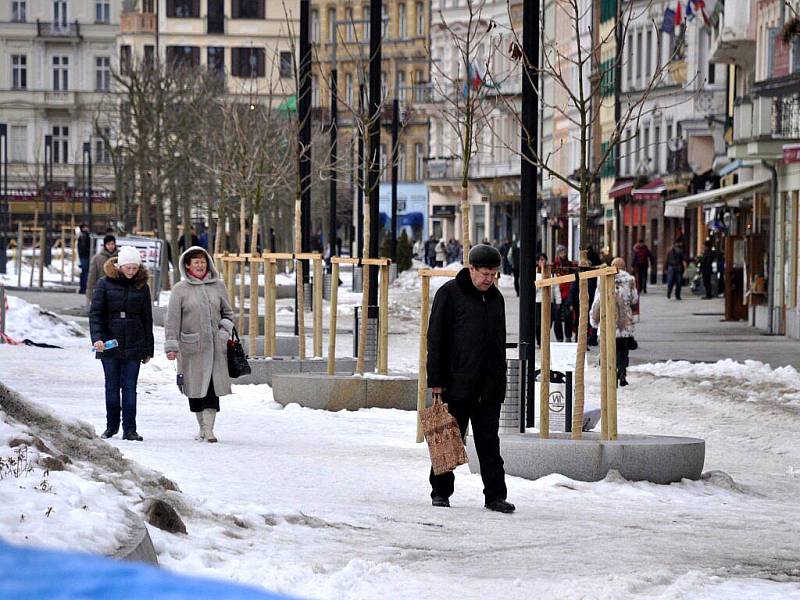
x=109 y=433
x=132 y=436
x=500 y=506
x=440 y=501
x=623 y=382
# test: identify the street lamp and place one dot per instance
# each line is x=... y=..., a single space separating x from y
x=48 y=198
x=4 y=221
x=87 y=183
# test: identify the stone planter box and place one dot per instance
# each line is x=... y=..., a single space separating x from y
x=345 y=391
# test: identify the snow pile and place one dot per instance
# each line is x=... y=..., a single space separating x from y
x=758 y=379
x=51 y=275
x=54 y=508
x=25 y=320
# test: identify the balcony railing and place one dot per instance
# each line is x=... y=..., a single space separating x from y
x=58 y=30
x=733 y=38
x=482 y=167
x=138 y=23
x=753 y=119
x=786 y=117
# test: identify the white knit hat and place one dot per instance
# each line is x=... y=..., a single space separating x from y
x=128 y=255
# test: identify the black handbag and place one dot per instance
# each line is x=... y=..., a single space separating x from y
x=237 y=359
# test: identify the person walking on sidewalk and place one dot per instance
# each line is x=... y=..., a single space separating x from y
x=676 y=263
x=707 y=270
x=122 y=310
x=98 y=263
x=84 y=255
x=626 y=296
x=198 y=325
x=642 y=259
x=467 y=368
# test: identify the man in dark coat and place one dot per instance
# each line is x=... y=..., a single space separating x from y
x=84 y=255
x=707 y=270
x=642 y=259
x=467 y=367
x=676 y=263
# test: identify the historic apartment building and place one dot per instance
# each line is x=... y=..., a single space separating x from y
x=56 y=58
x=248 y=42
x=340 y=31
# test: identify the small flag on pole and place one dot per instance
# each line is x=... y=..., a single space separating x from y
x=668 y=24
x=678 y=15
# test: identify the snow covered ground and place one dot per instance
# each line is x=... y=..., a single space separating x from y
x=335 y=505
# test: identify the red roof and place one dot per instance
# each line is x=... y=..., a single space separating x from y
x=621 y=187
x=650 y=191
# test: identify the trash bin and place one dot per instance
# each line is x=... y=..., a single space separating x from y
x=562 y=393
x=371 y=349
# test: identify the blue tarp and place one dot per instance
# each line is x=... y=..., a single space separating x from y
x=35 y=574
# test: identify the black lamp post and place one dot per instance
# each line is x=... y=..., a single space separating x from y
x=4 y=221
x=48 y=199
x=528 y=194
x=304 y=138
x=395 y=128
x=334 y=151
x=374 y=143
x=87 y=183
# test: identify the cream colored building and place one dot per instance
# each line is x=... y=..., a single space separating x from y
x=56 y=58
x=248 y=42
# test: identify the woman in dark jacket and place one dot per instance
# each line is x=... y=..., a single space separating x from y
x=122 y=311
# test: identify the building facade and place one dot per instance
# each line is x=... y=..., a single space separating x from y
x=340 y=38
x=57 y=58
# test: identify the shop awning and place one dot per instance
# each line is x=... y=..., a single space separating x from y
x=677 y=207
x=650 y=191
x=621 y=187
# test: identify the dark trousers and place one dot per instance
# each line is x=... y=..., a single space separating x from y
x=84 y=274
x=622 y=358
x=562 y=322
x=674 y=280
x=707 y=284
x=641 y=278
x=515 y=272
x=210 y=400
x=121 y=376
x=485 y=417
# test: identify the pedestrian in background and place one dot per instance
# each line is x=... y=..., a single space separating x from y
x=98 y=263
x=467 y=367
x=675 y=265
x=441 y=253
x=198 y=326
x=84 y=255
x=707 y=270
x=642 y=259
x=563 y=321
x=625 y=296
x=122 y=310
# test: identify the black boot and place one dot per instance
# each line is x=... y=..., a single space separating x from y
x=501 y=506
x=109 y=433
x=132 y=436
x=440 y=501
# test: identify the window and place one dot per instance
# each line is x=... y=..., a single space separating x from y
x=383 y=158
x=102 y=155
x=656 y=150
x=60 y=14
x=366 y=17
x=348 y=23
x=183 y=9
x=60 y=144
x=646 y=147
x=332 y=25
x=183 y=56
x=102 y=11
x=384 y=84
x=315 y=26
x=385 y=21
x=148 y=6
x=419 y=162
x=149 y=54
x=400 y=89
x=630 y=60
x=102 y=73
x=215 y=60
x=628 y=146
x=712 y=74
x=314 y=91
x=60 y=73
x=648 y=54
x=19 y=71
x=19 y=143
x=348 y=89
x=401 y=162
x=420 y=19
x=19 y=11
x=247 y=9
x=286 y=64
x=402 y=31
x=248 y=62
x=639 y=57
x=125 y=56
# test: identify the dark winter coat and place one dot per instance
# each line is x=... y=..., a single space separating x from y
x=642 y=257
x=122 y=310
x=675 y=258
x=96 y=270
x=467 y=341
x=84 y=245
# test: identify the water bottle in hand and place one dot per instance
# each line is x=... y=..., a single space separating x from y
x=108 y=345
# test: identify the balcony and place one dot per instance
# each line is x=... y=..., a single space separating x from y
x=444 y=168
x=58 y=31
x=138 y=23
x=59 y=99
x=733 y=38
x=481 y=167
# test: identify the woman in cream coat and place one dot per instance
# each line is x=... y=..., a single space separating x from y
x=197 y=329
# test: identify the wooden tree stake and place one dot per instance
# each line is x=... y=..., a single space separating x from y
x=383 y=320
x=422 y=382
x=611 y=359
x=544 y=384
x=580 y=362
x=252 y=329
x=334 y=309
x=318 y=290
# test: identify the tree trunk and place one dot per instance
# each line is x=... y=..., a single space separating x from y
x=300 y=290
x=465 y=241
x=362 y=330
x=219 y=238
x=580 y=360
x=173 y=226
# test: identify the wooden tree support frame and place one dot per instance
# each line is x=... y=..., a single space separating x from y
x=37 y=241
x=335 y=262
x=422 y=382
x=608 y=356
